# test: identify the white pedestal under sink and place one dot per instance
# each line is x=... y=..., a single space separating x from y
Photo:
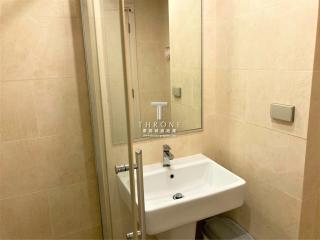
x=202 y=188
x=185 y=232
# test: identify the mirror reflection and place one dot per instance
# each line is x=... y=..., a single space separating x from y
x=164 y=61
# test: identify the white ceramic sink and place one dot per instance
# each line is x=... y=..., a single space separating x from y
x=208 y=189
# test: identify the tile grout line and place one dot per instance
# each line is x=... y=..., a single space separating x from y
x=244 y=121
x=45 y=190
x=40 y=78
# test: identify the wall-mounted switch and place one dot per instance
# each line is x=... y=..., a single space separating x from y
x=176 y=92
x=282 y=112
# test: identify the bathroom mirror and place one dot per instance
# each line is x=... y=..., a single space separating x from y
x=164 y=67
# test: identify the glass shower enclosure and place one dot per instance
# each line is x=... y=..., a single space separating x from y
x=103 y=31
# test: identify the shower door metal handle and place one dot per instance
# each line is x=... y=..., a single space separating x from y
x=140 y=189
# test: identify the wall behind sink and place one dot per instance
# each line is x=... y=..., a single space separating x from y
x=248 y=63
x=152 y=149
x=265 y=54
x=257 y=53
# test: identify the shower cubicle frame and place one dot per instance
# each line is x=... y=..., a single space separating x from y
x=93 y=42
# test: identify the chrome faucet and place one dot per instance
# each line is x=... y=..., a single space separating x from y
x=167 y=156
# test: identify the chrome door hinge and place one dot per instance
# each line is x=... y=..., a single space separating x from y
x=129 y=236
x=124 y=168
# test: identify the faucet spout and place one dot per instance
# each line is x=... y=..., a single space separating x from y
x=167 y=156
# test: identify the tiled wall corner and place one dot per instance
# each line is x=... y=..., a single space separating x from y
x=264 y=55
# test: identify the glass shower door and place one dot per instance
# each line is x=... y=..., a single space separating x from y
x=106 y=70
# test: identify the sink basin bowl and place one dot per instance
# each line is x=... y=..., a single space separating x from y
x=203 y=189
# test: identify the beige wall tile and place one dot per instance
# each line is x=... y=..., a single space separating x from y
x=34 y=165
x=233 y=42
x=91 y=233
x=269 y=4
x=38 y=51
x=229 y=141
x=74 y=55
x=208 y=93
x=25 y=217
x=182 y=145
x=276 y=158
x=297 y=54
x=18 y=117
x=61 y=107
x=209 y=10
x=266 y=219
x=292 y=88
x=38 y=8
x=287 y=221
x=272 y=154
x=230 y=93
x=110 y=4
x=74 y=208
x=209 y=43
x=43 y=92
x=1 y=6
x=41 y=8
x=245 y=40
x=209 y=36
x=234 y=9
x=258 y=97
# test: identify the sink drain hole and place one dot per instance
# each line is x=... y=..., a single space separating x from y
x=177 y=196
